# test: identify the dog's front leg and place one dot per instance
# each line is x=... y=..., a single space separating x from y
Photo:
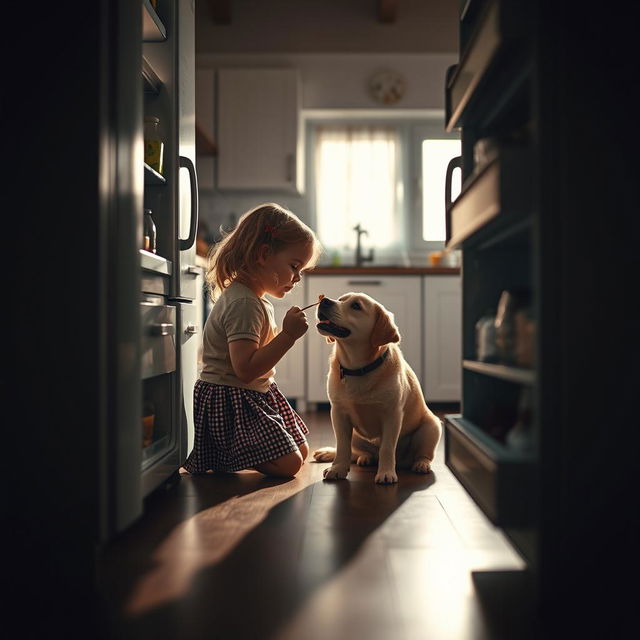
x=342 y=429
x=388 y=443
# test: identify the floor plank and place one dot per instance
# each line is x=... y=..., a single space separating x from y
x=244 y=556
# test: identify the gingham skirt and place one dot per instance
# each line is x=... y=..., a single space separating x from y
x=239 y=428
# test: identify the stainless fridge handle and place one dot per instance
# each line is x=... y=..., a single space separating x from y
x=193 y=226
x=163 y=329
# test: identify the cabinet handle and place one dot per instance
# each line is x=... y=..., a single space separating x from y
x=193 y=181
x=373 y=283
x=192 y=270
x=191 y=329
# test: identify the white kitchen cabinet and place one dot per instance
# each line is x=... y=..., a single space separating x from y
x=258 y=130
x=442 y=338
x=289 y=374
x=401 y=295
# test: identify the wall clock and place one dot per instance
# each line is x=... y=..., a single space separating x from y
x=387 y=86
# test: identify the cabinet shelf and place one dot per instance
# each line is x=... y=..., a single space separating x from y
x=151 y=176
x=494 y=202
x=489 y=58
x=151 y=81
x=153 y=30
x=497 y=478
x=511 y=374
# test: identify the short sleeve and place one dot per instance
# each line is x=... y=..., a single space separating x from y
x=244 y=320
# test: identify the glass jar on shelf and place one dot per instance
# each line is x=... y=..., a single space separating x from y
x=153 y=144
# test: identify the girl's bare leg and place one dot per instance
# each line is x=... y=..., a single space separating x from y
x=286 y=466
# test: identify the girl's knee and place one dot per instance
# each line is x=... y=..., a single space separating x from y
x=304 y=450
x=284 y=467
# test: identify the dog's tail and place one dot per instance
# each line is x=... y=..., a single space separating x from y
x=325 y=454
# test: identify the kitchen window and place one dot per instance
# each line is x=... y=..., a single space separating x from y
x=387 y=176
x=357 y=181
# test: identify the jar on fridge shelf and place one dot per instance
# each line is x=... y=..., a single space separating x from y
x=153 y=144
x=149 y=232
x=486 y=347
x=148 y=423
x=509 y=304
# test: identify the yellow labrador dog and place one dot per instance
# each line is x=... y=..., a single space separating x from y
x=378 y=411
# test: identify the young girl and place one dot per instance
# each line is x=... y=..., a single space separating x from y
x=242 y=420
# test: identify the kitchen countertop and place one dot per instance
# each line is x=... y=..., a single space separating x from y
x=384 y=271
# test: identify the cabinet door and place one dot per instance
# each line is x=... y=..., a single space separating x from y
x=290 y=370
x=401 y=295
x=258 y=129
x=442 y=338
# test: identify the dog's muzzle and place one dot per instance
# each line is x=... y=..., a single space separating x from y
x=326 y=324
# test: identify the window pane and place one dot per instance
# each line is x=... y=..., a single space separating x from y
x=357 y=183
x=436 y=155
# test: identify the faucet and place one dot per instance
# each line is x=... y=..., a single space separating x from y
x=359 y=257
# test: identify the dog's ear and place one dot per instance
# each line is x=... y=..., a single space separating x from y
x=385 y=329
x=329 y=339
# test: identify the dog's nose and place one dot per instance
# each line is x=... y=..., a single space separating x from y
x=326 y=302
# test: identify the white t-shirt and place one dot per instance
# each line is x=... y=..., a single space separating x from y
x=238 y=314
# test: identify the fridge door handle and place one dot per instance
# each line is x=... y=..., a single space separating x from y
x=193 y=226
x=454 y=163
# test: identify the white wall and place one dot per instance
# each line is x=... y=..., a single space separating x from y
x=329 y=82
x=339 y=80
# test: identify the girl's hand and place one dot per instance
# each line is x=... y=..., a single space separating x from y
x=295 y=323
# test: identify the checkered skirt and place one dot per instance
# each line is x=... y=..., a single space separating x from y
x=239 y=428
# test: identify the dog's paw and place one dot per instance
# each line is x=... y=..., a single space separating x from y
x=421 y=466
x=386 y=477
x=365 y=460
x=325 y=454
x=335 y=472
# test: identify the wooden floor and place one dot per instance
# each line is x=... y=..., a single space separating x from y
x=243 y=556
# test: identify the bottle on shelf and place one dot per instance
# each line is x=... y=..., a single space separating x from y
x=149 y=232
x=153 y=144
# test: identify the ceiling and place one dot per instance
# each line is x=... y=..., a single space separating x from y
x=327 y=26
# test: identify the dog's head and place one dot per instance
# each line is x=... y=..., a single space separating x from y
x=356 y=317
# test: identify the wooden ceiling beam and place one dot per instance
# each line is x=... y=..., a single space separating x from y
x=220 y=11
x=387 y=11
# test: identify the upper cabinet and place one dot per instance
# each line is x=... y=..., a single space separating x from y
x=258 y=130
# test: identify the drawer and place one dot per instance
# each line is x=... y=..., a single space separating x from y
x=158 y=344
x=499 y=481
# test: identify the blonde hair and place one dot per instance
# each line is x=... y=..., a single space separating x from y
x=237 y=253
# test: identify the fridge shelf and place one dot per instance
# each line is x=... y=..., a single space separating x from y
x=497 y=478
x=153 y=30
x=511 y=374
x=495 y=202
x=153 y=262
x=151 y=176
x=489 y=58
x=151 y=81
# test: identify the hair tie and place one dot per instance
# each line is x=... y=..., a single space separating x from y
x=269 y=230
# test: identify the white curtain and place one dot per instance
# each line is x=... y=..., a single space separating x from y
x=357 y=171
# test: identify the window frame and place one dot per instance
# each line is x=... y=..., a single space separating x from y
x=413 y=127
